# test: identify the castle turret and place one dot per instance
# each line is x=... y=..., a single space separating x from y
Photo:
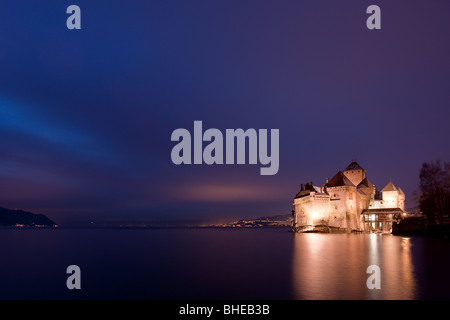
x=390 y=195
x=355 y=173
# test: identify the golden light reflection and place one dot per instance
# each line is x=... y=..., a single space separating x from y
x=333 y=266
x=214 y=192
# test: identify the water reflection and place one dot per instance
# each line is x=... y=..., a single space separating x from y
x=333 y=266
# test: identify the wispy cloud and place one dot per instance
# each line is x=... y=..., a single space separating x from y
x=225 y=192
x=32 y=125
x=20 y=118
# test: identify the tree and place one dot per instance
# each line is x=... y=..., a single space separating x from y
x=435 y=189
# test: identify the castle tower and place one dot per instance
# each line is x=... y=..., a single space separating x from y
x=355 y=173
x=343 y=204
x=390 y=195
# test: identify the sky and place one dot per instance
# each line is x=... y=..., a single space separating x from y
x=86 y=116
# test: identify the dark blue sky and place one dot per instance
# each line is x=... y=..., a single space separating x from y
x=86 y=115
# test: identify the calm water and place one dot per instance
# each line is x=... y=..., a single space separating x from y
x=219 y=264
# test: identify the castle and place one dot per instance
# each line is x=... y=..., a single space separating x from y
x=348 y=201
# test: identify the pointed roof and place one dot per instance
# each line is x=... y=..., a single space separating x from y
x=306 y=190
x=389 y=187
x=339 y=179
x=353 y=166
x=366 y=183
x=302 y=193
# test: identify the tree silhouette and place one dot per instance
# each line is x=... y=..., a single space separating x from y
x=435 y=189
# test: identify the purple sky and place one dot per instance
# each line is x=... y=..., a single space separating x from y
x=86 y=115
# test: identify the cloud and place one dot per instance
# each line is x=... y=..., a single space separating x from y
x=19 y=118
x=225 y=192
x=31 y=126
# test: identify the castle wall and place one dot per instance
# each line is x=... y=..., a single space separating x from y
x=390 y=199
x=353 y=216
x=363 y=200
x=340 y=208
x=302 y=209
x=344 y=207
x=401 y=201
x=312 y=209
x=337 y=214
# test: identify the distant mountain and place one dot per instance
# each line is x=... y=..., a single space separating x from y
x=280 y=218
x=273 y=221
x=9 y=217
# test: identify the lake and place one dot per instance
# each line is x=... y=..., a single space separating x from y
x=215 y=263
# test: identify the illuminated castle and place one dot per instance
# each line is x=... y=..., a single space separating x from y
x=348 y=201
